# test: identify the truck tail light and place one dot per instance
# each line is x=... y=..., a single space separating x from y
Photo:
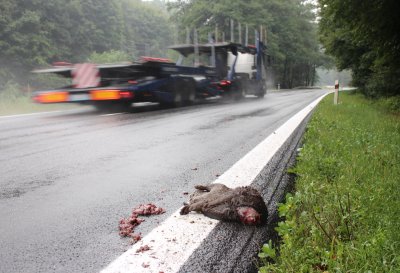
x=225 y=83
x=109 y=94
x=126 y=94
x=51 y=97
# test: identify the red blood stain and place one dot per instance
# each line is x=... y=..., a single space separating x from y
x=143 y=249
x=127 y=225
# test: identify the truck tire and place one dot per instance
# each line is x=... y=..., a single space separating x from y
x=178 y=93
x=177 y=97
x=262 y=91
x=241 y=86
x=260 y=95
x=175 y=88
x=239 y=90
x=189 y=91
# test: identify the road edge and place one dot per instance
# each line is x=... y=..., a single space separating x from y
x=234 y=248
x=175 y=240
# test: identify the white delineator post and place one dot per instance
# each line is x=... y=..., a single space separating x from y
x=336 y=95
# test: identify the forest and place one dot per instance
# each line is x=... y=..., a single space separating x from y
x=291 y=31
x=37 y=33
x=361 y=36
x=364 y=36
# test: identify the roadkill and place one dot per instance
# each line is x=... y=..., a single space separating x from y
x=217 y=201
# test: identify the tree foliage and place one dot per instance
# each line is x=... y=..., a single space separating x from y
x=364 y=36
x=151 y=23
x=38 y=32
x=291 y=31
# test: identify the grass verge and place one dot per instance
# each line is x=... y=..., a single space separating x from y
x=24 y=105
x=13 y=101
x=345 y=213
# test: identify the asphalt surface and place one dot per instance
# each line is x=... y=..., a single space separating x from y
x=66 y=178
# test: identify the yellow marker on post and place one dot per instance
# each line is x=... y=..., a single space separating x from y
x=336 y=95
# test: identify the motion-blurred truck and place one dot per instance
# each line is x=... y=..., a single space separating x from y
x=225 y=70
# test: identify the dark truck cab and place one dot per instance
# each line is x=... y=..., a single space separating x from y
x=239 y=70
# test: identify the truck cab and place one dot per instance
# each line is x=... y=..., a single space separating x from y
x=239 y=70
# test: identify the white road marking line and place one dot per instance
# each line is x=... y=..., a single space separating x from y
x=33 y=114
x=113 y=114
x=174 y=240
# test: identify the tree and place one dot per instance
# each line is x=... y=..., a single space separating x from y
x=292 y=40
x=364 y=36
x=148 y=27
x=37 y=33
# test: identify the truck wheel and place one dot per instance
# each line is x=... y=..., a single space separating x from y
x=189 y=92
x=241 y=94
x=175 y=88
x=262 y=91
x=178 y=92
x=240 y=86
x=239 y=91
x=177 y=98
x=260 y=96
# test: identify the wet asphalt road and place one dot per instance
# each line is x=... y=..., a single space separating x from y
x=66 y=178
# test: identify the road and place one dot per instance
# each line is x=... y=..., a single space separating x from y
x=67 y=178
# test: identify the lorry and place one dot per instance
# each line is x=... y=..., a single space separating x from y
x=117 y=86
x=240 y=70
x=233 y=70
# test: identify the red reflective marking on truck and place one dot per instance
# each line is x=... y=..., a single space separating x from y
x=126 y=94
x=62 y=64
x=152 y=59
x=107 y=94
x=85 y=75
x=225 y=82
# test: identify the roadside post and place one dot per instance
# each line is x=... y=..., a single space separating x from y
x=336 y=95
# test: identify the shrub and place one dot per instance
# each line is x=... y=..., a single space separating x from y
x=391 y=104
x=11 y=92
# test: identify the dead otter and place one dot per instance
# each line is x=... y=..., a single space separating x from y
x=217 y=201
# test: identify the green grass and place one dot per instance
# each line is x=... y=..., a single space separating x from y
x=345 y=213
x=13 y=101
x=24 y=105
